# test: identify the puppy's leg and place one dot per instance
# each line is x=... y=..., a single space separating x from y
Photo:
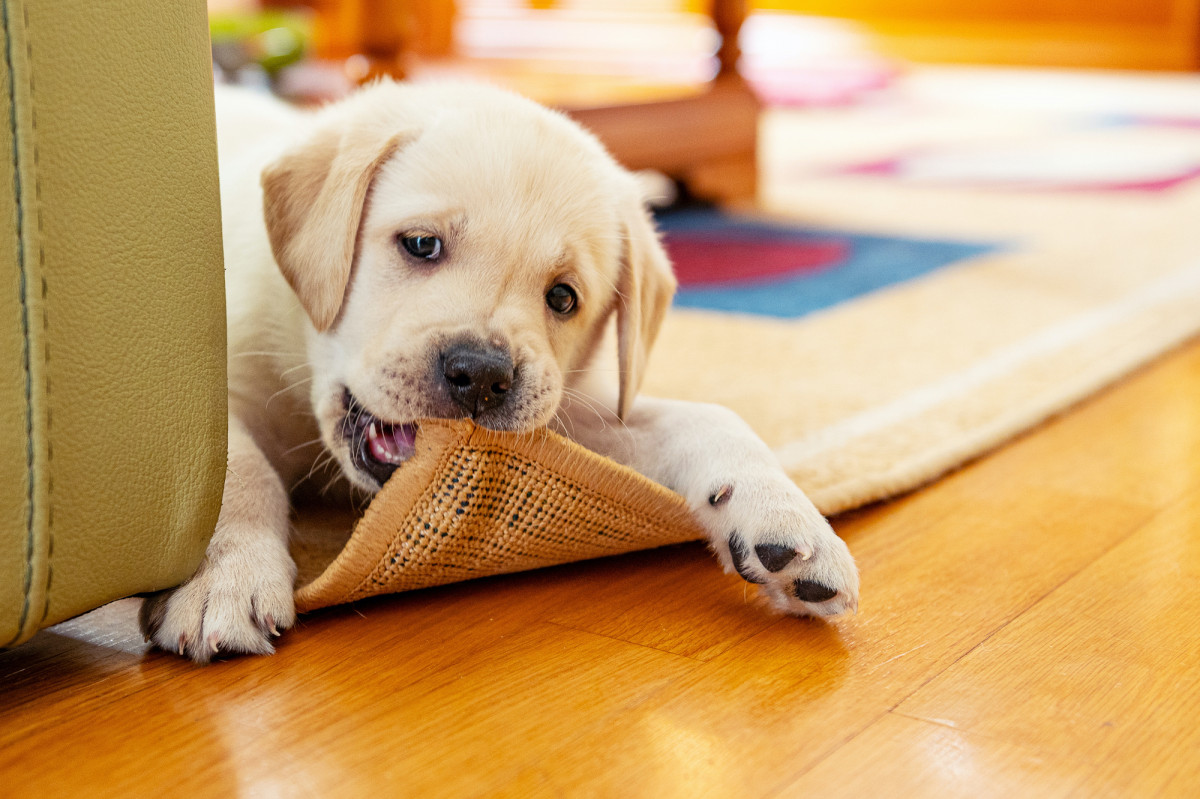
x=758 y=522
x=242 y=593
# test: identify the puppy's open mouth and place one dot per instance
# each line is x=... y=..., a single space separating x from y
x=376 y=447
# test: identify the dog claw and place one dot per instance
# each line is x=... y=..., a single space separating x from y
x=721 y=495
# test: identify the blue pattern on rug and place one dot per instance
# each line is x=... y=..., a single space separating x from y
x=871 y=263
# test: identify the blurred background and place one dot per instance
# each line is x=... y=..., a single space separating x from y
x=678 y=85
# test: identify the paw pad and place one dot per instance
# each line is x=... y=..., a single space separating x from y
x=774 y=557
x=812 y=591
x=739 y=552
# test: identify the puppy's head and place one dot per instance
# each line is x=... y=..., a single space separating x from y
x=458 y=251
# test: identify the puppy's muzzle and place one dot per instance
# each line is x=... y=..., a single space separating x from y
x=478 y=376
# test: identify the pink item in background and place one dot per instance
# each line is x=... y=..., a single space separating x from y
x=808 y=61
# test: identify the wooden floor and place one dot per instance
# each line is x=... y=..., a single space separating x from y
x=1030 y=627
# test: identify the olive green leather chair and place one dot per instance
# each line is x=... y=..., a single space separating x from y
x=112 y=327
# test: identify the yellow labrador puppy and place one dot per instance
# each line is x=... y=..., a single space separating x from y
x=450 y=251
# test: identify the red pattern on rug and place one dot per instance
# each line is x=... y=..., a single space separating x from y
x=706 y=260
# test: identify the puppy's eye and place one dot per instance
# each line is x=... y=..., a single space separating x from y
x=561 y=299
x=428 y=248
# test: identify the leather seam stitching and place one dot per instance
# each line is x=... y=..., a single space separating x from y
x=37 y=211
x=23 y=291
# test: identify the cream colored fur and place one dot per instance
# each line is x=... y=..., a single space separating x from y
x=322 y=301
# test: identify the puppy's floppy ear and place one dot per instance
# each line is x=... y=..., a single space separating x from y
x=313 y=199
x=645 y=286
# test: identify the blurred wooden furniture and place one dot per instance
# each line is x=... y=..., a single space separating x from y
x=706 y=137
x=1112 y=34
x=381 y=30
x=708 y=141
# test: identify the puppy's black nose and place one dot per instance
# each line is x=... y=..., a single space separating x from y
x=478 y=377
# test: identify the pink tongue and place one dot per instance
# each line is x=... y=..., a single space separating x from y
x=394 y=444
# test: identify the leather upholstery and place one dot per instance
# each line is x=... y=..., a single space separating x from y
x=112 y=327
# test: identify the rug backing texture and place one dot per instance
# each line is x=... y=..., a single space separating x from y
x=474 y=503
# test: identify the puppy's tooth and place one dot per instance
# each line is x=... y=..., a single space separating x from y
x=806 y=554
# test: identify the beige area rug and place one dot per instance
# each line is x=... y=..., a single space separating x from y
x=1085 y=191
x=1088 y=183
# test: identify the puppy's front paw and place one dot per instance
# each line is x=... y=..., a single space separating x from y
x=236 y=602
x=773 y=536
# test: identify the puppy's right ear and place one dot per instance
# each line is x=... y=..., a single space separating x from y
x=313 y=199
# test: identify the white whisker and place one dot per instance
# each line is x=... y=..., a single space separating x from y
x=287 y=388
x=291 y=369
x=264 y=354
x=316 y=440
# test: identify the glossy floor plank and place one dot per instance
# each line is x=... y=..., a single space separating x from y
x=1027 y=627
x=1093 y=692
x=900 y=756
x=1106 y=669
